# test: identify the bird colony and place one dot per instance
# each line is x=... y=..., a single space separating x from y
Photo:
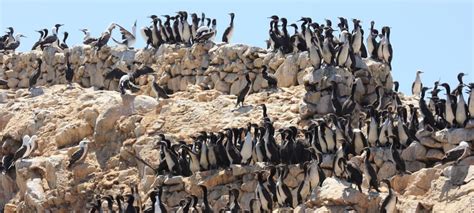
x=314 y=122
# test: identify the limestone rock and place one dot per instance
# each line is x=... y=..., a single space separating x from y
x=286 y=73
x=455 y=136
x=339 y=192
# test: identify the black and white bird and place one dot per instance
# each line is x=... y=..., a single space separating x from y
x=126 y=80
x=372 y=44
x=51 y=39
x=31 y=143
x=230 y=30
x=271 y=79
x=457 y=153
x=203 y=34
x=470 y=100
x=128 y=38
x=105 y=36
x=12 y=45
x=417 y=84
x=80 y=154
x=88 y=40
x=43 y=33
x=159 y=91
x=23 y=151
x=63 y=44
x=389 y=204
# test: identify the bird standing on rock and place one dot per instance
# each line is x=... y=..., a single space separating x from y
x=36 y=74
x=230 y=30
x=417 y=84
x=159 y=91
x=271 y=80
x=244 y=91
x=80 y=154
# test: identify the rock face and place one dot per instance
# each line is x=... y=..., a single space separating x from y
x=204 y=80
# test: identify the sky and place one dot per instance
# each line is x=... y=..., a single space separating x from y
x=435 y=36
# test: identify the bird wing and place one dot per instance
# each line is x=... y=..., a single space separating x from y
x=76 y=156
x=146 y=33
x=3 y=82
x=115 y=74
x=19 y=153
x=144 y=70
x=125 y=33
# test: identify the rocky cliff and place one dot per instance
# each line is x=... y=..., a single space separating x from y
x=203 y=80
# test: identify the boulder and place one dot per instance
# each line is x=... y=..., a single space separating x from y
x=336 y=192
x=455 y=136
x=286 y=73
x=415 y=151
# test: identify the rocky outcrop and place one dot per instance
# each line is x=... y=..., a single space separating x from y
x=204 y=80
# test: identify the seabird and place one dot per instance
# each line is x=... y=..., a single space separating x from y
x=354 y=176
x=63 y=44
x=244 y=91
x=271 y=79
x=159 y=91
x=328 y=51
x=461 y=106
x=397 y=160
x=31 y=143
x=80 y=154
x=7 y=163
x=470 y=100
x=69 y=71
x=417 y=84
x=195 y=25
x=230 y=30
x=387 y=53
x=450 y=106
x=248 y=146
x=12 y=45
x=389 y=204
x=168 y=30
x=186 y=32
x=36 y=74
x=176 y=28
x=105 y=36
x=147 y=36
x=262 y=194
x=284 y=197
x=214 y=29
x=43 y=33
x=51 y=39
x=206 y=208
x=22 y=152
x=358 y=39
x=369 y=172
x=463 y=150
x=372 y=44
x=234 y=205
x=156 y=38
x=203 y=34
x=88 y=40
x=126 y=80
x=128 y=39
x=428 y=118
